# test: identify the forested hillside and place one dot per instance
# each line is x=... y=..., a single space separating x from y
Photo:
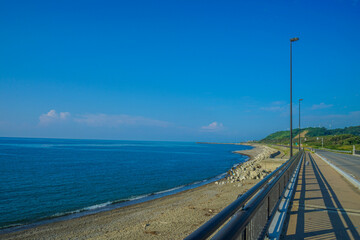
x=340 y=138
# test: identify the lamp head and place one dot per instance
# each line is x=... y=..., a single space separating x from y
x=301 y=99
x=294 y=39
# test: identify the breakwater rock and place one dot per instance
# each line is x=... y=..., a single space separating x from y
x=251 y=169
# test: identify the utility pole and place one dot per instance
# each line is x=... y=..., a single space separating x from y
x=299 y=126
x=322 y=142
x=291 y=41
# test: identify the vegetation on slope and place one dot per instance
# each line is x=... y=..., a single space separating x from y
x=341 y=138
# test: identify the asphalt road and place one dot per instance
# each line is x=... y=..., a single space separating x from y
x=346 y=162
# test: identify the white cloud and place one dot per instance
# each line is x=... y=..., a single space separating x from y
x=321 y=106
x=64 y=115
x=53 y=116
x=214 y=126
x=98 y=120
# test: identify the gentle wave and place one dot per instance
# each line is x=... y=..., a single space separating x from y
x=111 y=205
x=97 y=206
x=131 y=199
x=63 y=177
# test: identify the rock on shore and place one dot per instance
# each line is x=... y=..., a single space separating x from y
x=251 y=169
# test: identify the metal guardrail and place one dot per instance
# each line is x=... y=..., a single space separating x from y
x=274 y=154
x=287 y=146
x=277 y=220
x=310 y=149
x=357 y=152
x=252 y=219
x=334 y=150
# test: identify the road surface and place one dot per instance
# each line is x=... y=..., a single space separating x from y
x=346 y=162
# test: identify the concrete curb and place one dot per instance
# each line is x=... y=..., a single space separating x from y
x=352 y=180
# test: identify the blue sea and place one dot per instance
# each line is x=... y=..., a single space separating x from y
x=42 y=179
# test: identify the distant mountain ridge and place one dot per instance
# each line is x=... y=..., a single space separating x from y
x=314 y=132
x=340 y=138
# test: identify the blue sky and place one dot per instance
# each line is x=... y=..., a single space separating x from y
x=176 y=70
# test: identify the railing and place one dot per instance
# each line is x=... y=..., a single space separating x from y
x=334 y=150
x=310 y=149
x=274 y=154
x=252 y=220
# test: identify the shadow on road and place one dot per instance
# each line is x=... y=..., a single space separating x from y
x=316 y=211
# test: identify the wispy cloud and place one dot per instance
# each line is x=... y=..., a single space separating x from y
x=321 y=106
x=273 y=109
x=334 y=120
x=277 y=106
x=278 y=103
x=214 y=126
x=99 y=120
x=355 y=115
x=53 y=116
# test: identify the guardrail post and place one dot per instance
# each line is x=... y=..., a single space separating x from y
x=268 y=206
x=279 y=192
x=354 y=150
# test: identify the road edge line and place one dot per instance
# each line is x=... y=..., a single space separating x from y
x=352 y=180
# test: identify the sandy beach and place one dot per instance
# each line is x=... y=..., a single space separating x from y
x=170 y=217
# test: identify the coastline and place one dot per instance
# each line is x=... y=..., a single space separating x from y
x=109 y=206
x=155 y=218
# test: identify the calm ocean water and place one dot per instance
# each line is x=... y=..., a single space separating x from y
x=45 y=178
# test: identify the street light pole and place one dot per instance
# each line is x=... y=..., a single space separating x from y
x=299 y=126
x=291 y=41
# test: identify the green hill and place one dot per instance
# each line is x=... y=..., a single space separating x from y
x=340 y=138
